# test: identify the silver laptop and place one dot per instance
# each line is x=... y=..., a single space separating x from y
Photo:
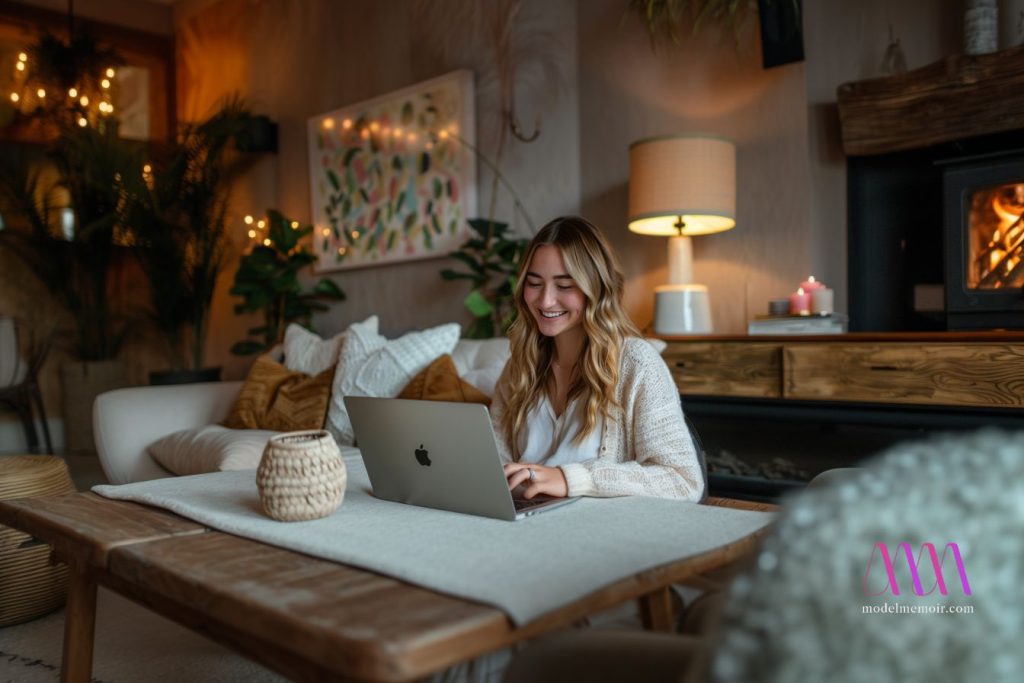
x=439 y=455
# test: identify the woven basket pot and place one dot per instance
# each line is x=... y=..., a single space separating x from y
x=30 y=584
x=301 y=476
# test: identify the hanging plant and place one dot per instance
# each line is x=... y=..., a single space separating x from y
x=664 y=18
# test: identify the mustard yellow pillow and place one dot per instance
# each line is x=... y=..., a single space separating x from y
x=274 y=397
x=440 y=381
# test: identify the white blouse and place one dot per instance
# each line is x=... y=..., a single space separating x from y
x=549 y=439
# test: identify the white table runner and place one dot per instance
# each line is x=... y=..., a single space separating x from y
x=525 y=568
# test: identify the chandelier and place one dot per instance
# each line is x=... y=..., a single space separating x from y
x=71 y=83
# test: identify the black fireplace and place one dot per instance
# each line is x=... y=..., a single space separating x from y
x=935 y=237
x=984 y=228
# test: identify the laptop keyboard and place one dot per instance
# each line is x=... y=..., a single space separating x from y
x=524 y=504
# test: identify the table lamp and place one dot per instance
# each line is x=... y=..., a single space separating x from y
x=682 y=185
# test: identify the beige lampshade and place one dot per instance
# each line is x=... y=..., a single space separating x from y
x=687 y=177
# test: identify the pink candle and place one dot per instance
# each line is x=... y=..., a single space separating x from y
x=810 y=284
x=800 y=303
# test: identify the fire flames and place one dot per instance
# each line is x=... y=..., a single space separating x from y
x=997 y=227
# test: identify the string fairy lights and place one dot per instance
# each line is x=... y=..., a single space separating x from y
x=258 y=231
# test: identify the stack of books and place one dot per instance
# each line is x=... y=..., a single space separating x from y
x=828 y=323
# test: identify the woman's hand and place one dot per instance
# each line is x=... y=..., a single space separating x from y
x=537 y=479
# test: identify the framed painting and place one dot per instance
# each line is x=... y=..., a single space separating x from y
x=394 y=178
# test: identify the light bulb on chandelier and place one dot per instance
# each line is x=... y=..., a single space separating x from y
x=78 y=66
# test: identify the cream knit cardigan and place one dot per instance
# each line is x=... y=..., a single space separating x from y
x=646 y=449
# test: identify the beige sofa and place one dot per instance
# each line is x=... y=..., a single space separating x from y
x=127 y=421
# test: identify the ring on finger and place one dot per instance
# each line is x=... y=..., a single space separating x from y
x=533 y=475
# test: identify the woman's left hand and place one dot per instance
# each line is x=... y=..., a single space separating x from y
x=546 y=480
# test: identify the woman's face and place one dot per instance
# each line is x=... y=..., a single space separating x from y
x=552 y=296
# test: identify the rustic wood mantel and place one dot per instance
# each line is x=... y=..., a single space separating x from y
x=959 y=97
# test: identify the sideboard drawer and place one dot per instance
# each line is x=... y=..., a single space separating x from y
x=990 y=375
x=725 y=369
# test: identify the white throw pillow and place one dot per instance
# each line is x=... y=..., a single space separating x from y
x=308 y=353
x=474 y=354
x=362 y=339
x=211 y=449
x=371 y=365
x=484 y=379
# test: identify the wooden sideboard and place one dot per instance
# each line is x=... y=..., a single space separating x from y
x=932 y=380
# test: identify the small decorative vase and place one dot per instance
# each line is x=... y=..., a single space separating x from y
x=301 y=476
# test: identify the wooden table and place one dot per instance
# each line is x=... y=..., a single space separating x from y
x=306 y=618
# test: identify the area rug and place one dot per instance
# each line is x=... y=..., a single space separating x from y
x=133 y=645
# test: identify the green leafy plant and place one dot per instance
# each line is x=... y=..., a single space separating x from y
x=268 y=281
x=492 y=257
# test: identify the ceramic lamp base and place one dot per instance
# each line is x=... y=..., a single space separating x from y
x=682 y=309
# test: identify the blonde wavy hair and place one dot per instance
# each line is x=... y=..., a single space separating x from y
x=590 y=261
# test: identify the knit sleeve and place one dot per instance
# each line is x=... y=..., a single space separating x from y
x=497 y=408
x=657 y=455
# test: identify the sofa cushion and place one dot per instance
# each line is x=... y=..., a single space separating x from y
x=475 y=354
x=210 y=449
x=275 y=398
x=440 y=382
x=484 y=379
x=372 y=365
x=307 y=352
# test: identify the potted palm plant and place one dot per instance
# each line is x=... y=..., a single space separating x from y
x=180 y=225
x=76 y=260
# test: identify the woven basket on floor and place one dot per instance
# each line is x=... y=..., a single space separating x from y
x=301 y=476
x=30 y=585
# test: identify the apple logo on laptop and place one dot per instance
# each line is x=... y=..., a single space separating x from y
x=422 y=456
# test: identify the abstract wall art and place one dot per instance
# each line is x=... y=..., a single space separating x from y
x=394 y=178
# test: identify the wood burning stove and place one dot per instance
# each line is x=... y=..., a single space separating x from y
x=984 y=229
x=935 y=165
x=936 y=240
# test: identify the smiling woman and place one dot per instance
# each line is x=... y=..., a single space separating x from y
x=585 y=406
x=552 y=296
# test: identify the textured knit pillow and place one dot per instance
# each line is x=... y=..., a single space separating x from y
x=275 y=398
x=439 y=381
x=210 y=449
x=308 y=353
x=371 y=365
